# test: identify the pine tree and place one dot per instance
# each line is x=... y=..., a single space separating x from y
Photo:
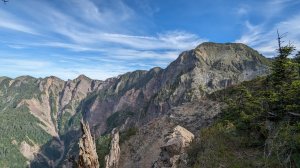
x=297 y=61
x=283 y=69
x=284 y=72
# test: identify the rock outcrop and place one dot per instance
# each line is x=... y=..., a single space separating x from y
x=173 y=151
x=112 y=159
x=88 y=157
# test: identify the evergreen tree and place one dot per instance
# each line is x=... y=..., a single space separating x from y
x=284 y=73
x=297 y=61
x=283 y=69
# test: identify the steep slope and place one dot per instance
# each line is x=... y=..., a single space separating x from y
x=250 y=132
x=36 y=111
x=47 y=112
x=193 y=74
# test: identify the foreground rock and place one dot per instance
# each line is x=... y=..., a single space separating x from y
x=88 y=157
x=173 y=151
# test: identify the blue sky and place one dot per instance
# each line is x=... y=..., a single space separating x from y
x=105 y=38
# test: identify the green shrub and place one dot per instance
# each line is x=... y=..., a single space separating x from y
x=117 y=119
x=103 y=148
x=124 y=136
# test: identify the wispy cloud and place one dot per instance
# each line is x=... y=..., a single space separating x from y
x=253 y=34
x=23 y=63
x=263 y=38
x=11 y=23
x=262 y=35
x=16 y=65
x=277 y=6
x=91 y=32
x=103 y=38
x=242 y=10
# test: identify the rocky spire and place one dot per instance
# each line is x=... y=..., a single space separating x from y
x=112 y=159
x=88 y=157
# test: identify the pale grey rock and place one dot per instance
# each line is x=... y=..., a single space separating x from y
x=112 y=159
x=88 y=157
x=176 y=143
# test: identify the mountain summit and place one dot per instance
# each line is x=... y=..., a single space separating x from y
x=215 y=65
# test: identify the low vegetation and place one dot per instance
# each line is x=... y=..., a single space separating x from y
x=117 y=119
x=103 y=148
x=124 y=136
x=16 y=122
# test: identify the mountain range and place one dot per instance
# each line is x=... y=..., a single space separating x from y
x=137 y=118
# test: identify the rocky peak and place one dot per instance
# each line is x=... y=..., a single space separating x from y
x=82 y=77
x=52 y=80
x=235 y=57
x=26 y=77
x=228 y=53
x=213 y=64
x=155 y=69
x=3 y=77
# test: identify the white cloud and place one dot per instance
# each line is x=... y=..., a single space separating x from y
x=94 y=39
x=263 y=38
x=120 y=46
x=93 y=36
x=8 y=21
x=19 y=65
x=253 y=34
x=175 y=40
x=22 y=64
x=243 y=10
x=275 y=8
x=16 y=46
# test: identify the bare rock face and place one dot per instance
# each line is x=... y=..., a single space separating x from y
x=29 y=151
x=112 y=159
x=88 y=157
x=205 y=69
x=212 y=66
x=174 y=148
x=143 y=148
x=196 y=114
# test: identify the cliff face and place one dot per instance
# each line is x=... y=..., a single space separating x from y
x=37 y=114
x=52 y=108
x=193 y=74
